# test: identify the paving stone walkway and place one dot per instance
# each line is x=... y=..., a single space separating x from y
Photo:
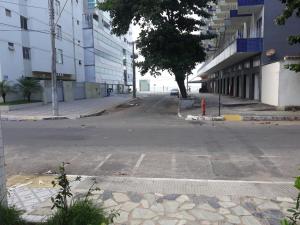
x=174 y=209
x=159 y=209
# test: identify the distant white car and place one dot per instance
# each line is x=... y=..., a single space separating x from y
x=174 y=92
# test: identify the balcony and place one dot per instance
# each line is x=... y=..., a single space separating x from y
x=249 y=45
x=242 y=3
x=236 y=51
x=250 y=6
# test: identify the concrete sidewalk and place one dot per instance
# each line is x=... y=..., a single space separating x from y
x=236 y=109
x=150 y=201
x=67 y=110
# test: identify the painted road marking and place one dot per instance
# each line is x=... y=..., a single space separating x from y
x=138 y=163
x=174 y=163
x=101 y=163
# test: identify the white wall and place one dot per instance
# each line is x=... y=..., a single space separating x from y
x=39 y=42
x=289 y=88
x=270 y=84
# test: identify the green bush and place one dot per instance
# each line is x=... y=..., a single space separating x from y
x=10 y=216
x=294 y=218
x=82 y=212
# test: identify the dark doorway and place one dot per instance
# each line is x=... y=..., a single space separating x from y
x=237 y=91
x=244 y=78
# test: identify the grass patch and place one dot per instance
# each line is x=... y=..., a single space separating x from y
x=81 y=213
x=10 y=216
x=18 y=102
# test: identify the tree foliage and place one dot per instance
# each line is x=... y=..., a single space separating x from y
x=171 y=33
x=292 y=7
x=28 y=86
x=5 y=88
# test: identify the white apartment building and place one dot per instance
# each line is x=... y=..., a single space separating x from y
x=89 y=59
x=26 y=48
x=108 y=59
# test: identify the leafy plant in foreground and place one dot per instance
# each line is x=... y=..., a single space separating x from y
x=78 y=212
x=294 y=219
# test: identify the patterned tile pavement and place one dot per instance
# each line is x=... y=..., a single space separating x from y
x=160 y=209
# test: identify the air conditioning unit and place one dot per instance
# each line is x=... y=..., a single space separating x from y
x=11 y=46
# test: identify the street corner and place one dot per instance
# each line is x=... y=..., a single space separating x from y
x=204 y=118
x=233 y=117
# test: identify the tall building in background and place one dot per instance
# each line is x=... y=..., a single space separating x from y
x=248 y=57
x=107 y=57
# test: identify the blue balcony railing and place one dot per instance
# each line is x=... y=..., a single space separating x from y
x=250 y=2
x=249 y=44
x=235 y=13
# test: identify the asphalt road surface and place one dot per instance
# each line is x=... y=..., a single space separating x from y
x=148 y=140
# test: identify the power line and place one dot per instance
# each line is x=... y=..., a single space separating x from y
x=61 y=12
x=39 y=21
x=19 y=4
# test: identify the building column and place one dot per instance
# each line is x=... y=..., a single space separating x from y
x=3 y=193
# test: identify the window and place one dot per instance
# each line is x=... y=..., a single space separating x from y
x=26 y=53
x=106 y=24
x=24 y=22
x=8 y=12
x=58 y=32
x=95 y=17
x=259 y=27
x=79 y=62
x=11 y=46
x=91 y=4
x=57 y=7
x=59 y=56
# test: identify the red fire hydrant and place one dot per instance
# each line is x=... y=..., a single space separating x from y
x=203 y=106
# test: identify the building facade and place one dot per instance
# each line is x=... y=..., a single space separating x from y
x=107 y=57
x=26 y=45
x=89 y=59
x=250 y=51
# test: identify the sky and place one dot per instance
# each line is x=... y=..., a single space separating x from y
x=165 y=82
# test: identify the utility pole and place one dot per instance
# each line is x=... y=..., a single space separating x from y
x=53 y=50
x=220 y=88
x=134 y=74
x=3 y=190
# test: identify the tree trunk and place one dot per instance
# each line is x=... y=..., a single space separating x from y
x=29 y=97
x=4 y=98
x=182 y=88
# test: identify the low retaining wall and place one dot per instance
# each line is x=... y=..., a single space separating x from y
x=186 y=103
x=7 y=108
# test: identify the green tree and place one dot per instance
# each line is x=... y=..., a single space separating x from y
x=5 y=88
x=28 y=86
x=171 y=33
x=292 y=7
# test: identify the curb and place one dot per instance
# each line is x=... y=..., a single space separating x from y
x=239 y=118
x=32 y=118
x=271 y=118
x=204 y=118
x=39 y=118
